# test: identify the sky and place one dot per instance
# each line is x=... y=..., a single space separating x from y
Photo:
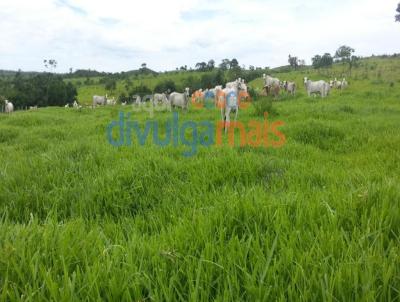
x=120 y=35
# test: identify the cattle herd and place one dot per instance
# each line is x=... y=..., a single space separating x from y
x=274 y=85
x=227 y=99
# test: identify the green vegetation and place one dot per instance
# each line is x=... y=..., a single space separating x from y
x=41 y=90
x=315 y=220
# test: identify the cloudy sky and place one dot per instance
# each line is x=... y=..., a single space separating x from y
x=119 y=35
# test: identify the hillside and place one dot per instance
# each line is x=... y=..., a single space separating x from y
x=370 y=69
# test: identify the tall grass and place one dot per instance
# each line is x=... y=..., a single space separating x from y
x=317 y=219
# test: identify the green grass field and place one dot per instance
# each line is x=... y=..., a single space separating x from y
x=315 y=220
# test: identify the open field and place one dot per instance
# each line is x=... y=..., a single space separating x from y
x=317 y=219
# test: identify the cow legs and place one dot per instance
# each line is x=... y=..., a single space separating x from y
x=236 y=113
x=227 y=119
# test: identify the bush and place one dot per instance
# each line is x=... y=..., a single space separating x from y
x=264 y=105
x=141 y=90
x=164 y=86
x=253 y=93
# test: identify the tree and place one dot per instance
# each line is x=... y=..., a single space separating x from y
x=144 y=65
x=344 y=54
x=219 y=77
x=201 y=66
x=293 y=62
x=164 y=86
x=110 y=84
x=316 y=61
x=41 y=90
x=50 y=64
x=398 y=15
x=225 y=64
x=141 y=90
x=211 y=64
x=326 y=60
x=234 y=63
x=354 y=62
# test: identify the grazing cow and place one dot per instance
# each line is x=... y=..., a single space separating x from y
x=33 y=107
x=111 y=102
x=270 y=81
x=275 y=89
x=320 y=87
x=9 y=107
x=99 y=100
x=160 y=98
x=290 y=87
x=181 y=100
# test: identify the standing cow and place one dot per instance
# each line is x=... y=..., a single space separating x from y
x=232 y=96
x=9 y=107
x=181 y=100
x=320 y=87
x=290 y=87
x=99 y=100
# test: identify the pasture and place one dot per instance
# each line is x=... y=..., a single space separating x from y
x=317 y=219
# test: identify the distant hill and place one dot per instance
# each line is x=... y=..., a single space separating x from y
x=83 y=73
x=10 y=73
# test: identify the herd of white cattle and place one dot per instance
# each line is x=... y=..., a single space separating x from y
x=274 y=85
x=227 y=96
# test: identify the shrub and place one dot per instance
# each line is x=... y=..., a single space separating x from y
x=264 y=105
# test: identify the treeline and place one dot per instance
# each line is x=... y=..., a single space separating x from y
x=41 y=90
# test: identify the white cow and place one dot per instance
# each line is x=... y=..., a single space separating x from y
x=160 y=98
x=320 y=87
x=181 y=100
x=123 y=103
x=232 y=102
x=270 y=81
x=337 y=84
x=290 y=87
x=344 y=83
x=111 y=102
x=137 y=99
x=33 y=107
x=75 y=105
x=66 y=106
x=9 y=107
x=232 y=84
x=99 y=100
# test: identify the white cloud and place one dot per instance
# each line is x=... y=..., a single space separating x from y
x=120 y=35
